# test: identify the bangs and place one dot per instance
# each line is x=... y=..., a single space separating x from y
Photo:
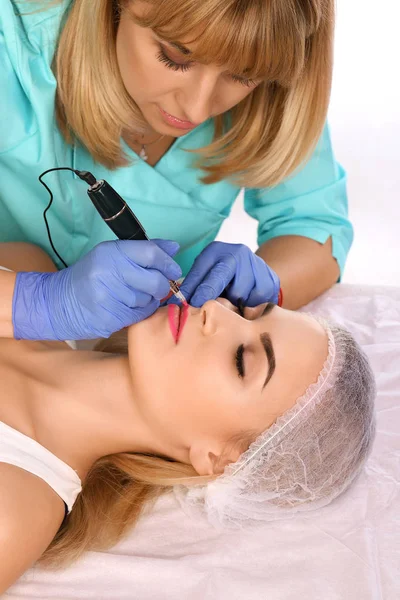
x=256 y=39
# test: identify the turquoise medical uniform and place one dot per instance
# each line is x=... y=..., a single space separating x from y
x=169 y=199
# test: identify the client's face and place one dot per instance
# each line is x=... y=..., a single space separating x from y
x=226 y=375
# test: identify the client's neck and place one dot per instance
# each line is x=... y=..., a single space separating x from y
x=84 y=409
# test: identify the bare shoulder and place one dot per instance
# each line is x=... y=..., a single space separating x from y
x=30 y=516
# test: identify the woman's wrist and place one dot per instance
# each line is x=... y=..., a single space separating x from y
x=7 y=285
x=33 y=306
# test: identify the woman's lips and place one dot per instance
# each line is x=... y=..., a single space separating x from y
x=177 y=317
x=175 y=122
x=184 y=313
x=173 y=319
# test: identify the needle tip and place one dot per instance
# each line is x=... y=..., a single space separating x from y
x=181 y=298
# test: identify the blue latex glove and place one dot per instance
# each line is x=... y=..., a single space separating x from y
x=233 y=268
x=116 y=284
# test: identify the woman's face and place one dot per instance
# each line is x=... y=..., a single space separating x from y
x=227 y=374
x=147 y=68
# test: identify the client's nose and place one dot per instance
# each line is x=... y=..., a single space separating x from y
x=209 y=316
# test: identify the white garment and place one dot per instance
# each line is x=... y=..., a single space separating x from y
x=22 y=451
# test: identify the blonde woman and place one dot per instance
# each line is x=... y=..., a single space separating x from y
x=177 y=104
x=245 y=418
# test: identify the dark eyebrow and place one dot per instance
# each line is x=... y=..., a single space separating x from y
x=269 y=351
x=268 y=347
x=181 y=48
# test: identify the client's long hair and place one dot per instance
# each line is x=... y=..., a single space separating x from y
x=118 y=488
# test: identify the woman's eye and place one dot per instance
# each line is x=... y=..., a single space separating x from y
x=244 y=81
x=239 y=361
x=171 y=64
x=240 y=351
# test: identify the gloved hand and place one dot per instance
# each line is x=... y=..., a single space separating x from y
x=116 y=284
x=233 y=268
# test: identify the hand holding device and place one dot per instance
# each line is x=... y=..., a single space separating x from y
x=116 y=284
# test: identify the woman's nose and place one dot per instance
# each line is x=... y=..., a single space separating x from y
x=209 y=317
x=200 y=97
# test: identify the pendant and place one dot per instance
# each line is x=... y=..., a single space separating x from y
x=143 y=154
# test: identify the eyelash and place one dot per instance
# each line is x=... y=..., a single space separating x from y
x=240 y=350
x=162 y=57
x=239 y=361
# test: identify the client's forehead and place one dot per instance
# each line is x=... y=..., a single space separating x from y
x=293 y=331
x=300 y=349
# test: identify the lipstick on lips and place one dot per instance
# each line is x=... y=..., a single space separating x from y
x=175 y=122
x=177 y=317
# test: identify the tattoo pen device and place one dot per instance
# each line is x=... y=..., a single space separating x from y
x=119 y=217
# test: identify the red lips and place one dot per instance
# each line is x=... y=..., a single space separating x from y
x=177 y=317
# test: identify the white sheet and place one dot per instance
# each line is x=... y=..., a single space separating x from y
x=351 y=551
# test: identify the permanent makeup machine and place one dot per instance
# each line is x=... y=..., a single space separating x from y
x=113 y=210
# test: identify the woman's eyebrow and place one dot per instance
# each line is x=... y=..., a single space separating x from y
x=269 y=351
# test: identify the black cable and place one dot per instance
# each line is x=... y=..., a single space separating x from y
x=84 y=175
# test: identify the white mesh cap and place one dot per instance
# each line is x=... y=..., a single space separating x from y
x=309 y=455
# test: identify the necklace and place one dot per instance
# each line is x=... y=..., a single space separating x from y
x=143 y=154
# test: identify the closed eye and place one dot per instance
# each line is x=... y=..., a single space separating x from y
x=163 y=57
x=240 y=351
x=240 y=361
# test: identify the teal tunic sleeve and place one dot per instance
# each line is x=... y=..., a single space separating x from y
x=311 y=203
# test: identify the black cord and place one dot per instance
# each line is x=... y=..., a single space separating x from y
x=84 y=175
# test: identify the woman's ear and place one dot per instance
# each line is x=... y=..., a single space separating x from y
x=200 y=459
x=219 y=463
x=209 y=462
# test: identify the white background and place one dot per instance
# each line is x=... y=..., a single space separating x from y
x=364 y=118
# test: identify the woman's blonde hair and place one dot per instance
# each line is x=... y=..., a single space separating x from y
x=120 y=487
x=263 y=139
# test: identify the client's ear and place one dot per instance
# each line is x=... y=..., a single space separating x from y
x=219 y=463
x=209 y=462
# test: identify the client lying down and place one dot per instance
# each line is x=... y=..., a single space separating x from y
x=245 y=419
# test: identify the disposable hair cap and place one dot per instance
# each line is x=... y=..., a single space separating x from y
x=309 y=455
